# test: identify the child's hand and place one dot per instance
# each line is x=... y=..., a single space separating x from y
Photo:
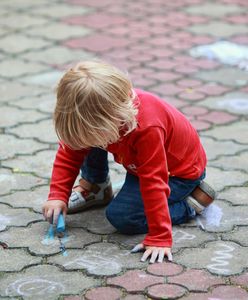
x=52 y=209
x=154 y=252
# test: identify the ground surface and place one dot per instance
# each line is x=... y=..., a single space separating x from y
x=160 y=43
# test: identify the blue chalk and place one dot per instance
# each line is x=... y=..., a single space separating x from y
x=61 y=224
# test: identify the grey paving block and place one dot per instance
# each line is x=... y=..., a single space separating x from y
x=220 y=257
x=40 y=163
x=14 y=90
x=44 y=103
x=236 y=132
x=16 y=217
x=235 y=103
x=238 y=235
x=24 y=21
x=213 y=9
x=227 y=75
x=237 y=162
x=182 y=237
x=30 y=199
x=235 y=195
x=36 y=239
x=99 y=259
x=219 y=179
x=42 y=131
x=16 y=43
x=10 y=146
x=222 y=216
x=93 y=219
x=11 y=116
x=57 y=55
x=10 y=182
x=16 y=260
x=215 y=148
x=11 y=68
x=44 y=282
x=48 y=79
x=218 y=29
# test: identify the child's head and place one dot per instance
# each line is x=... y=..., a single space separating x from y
x=94 y=102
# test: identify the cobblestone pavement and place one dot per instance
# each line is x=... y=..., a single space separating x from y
x=194 y=53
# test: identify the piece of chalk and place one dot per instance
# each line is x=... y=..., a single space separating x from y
x=61 y=224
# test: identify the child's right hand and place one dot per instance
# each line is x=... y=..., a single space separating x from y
x=52 y=209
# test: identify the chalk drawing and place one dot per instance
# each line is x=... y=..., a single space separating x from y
x=4 y=221
x=180 y=235
x=239 y=104
x=211 y=216
x=34 y=286
x=221 y=259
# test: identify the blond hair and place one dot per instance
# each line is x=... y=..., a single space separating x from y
x=94 y=106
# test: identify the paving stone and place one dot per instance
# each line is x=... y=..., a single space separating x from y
x=10 y=146
x=14 y=90
x=221 y=216
x=218 y=29
x=235 y=195
x=16 y=43
x=63 y=11
x=94 y=220
x=16 y=5
x=58 y=31
x=222 y=258
x=103 y=293
x=11 y=116
x=165 y=291
x=135 y=281
x=96 y=43
x=16 y=260
x=220 y=179
x=40 y=163
x=218 y=117
x=241 y=280
x=16 y=217
x=239 y=235
x=56 y=55
x=10 y=68
x=239 y=162
x=33 y=199
x=10 y=182
x=103 y=259
x=235 y=132
x=135 y=297
x=182 y=237
x=24 y=21
x=35 y=238
x=164 y=269
x=213 y=9
x=47 y=79
x=220 y=293
x=44 y=103
x=235 y=103
x=202 y=280
x=215 y=148
x=42 y=131
x=44 y=281
x=229 y=76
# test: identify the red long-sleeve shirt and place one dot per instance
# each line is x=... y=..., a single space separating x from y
x=163 y=144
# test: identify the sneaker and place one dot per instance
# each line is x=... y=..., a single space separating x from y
x=86 y=195
x=201 y=197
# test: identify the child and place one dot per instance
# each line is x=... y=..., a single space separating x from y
x=97 y=111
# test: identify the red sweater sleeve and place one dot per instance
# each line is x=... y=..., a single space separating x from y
x=65 y=170
x=153 y=176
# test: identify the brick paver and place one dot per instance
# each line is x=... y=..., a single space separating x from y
x=162 y=46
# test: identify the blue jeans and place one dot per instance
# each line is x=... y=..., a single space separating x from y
x=126 y=211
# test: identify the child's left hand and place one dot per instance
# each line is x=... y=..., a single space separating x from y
x=154 y=252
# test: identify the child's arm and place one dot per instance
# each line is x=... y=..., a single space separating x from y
x=153 y=176
x=65 y=170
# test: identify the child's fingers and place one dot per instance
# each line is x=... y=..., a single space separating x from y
x=56 y=214
x=146 y=254
x=161 y=255
x=155 y=252
x=137 y=248
x=169 y=255
x=49 y=215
